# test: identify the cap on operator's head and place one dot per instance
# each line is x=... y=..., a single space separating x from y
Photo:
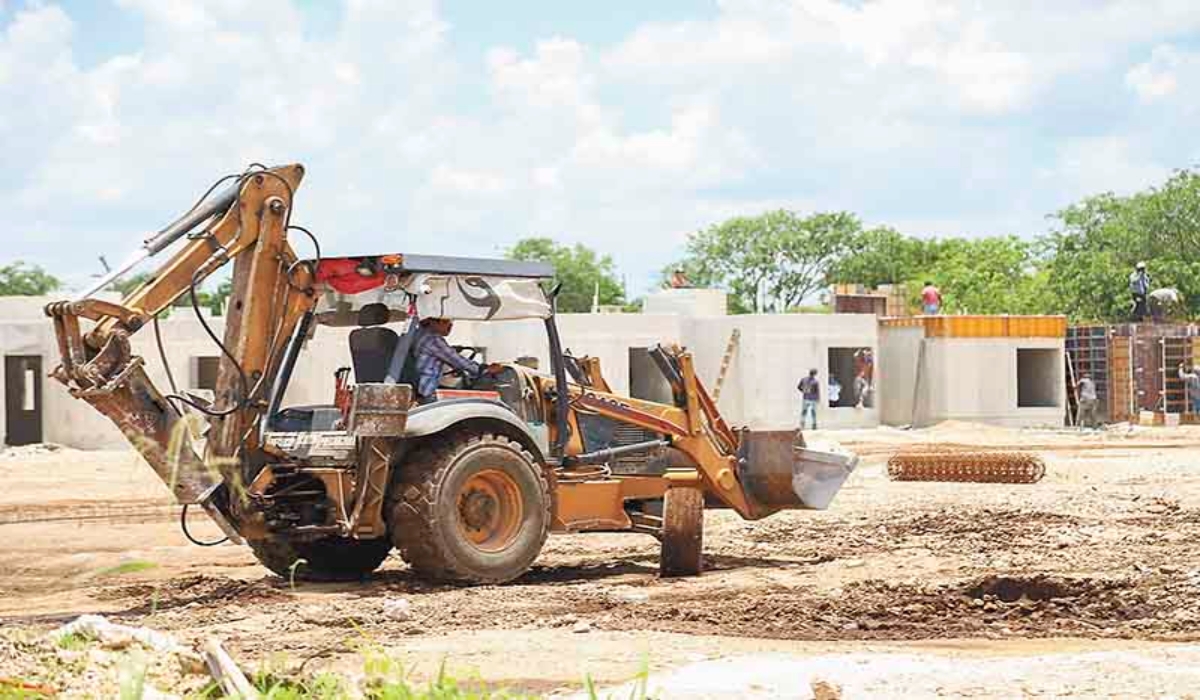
x=1141 y=265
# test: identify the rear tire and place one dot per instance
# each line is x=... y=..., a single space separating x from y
x=471 y=508
x=682 y=532
x=326 y=559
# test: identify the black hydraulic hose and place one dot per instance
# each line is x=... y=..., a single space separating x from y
x=245 y=382
x=186 y=533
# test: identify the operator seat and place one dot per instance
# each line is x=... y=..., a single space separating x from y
x=372 y=345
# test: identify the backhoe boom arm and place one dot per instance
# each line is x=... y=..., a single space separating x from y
x=270 y=294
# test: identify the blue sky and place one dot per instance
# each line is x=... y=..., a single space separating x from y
x=460 y=127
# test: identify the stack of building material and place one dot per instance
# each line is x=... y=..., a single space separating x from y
x=884 y=300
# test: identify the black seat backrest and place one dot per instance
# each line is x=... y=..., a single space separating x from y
x=371 y=351
x=403 y=367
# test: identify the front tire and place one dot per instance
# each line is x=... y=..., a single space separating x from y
x=474 y=508
x=326 y=559
x=682 y=532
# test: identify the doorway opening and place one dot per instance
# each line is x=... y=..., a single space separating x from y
x=22 y=399
x=851 y=377
x=1038 y=377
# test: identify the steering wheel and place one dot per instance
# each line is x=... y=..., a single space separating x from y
x=467 y=351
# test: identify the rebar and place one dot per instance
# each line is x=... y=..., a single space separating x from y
x=977 y=466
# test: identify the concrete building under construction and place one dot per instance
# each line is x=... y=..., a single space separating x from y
x=1135 y=367
x=1002 y=370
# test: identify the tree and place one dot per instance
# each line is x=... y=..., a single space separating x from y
x=214 y=301
x=1098 y=240
x=770 y=262
x=883 y=255
x=990 y=275
x=128 y=285
x=578 y=269
x=20 y=279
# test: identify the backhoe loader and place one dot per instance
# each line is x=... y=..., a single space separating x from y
x=466 y=486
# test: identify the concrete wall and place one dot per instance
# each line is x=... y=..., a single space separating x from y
x=686 y=302
x=968 y=379
x=760 y=388
x=774 y=352
x=899 y=350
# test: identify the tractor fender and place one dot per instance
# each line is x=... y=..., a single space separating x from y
x=433 y=418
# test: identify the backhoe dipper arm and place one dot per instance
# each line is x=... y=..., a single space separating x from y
x=270 y=294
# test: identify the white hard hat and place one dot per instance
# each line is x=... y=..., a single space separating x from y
x=1141 y=265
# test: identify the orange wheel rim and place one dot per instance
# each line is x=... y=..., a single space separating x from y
x=490 y=510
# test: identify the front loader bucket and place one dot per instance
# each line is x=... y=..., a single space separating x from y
x=779 y=471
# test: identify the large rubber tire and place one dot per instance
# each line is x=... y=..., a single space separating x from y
x=327 y=559
x=471 y=508
x=682 y=532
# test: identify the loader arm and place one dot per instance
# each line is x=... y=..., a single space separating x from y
x=270 y=294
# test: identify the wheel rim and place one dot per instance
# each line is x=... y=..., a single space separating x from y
x=490 y=510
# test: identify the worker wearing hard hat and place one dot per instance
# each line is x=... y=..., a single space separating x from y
x=1139 y=288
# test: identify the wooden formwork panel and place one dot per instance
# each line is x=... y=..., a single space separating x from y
x=1120 y=379
x=1087 y=352
x=975 y=326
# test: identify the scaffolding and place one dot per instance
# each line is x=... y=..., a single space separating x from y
x=1135 y=368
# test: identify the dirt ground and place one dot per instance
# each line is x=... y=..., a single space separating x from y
x=1099 y=558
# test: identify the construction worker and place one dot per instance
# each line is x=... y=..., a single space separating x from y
x=434 y=355
x=679 y=279
x=1139 y=288
x=1191 y=386
x=931 y=299
x=1088 y=401
x=835 y=391
x=810 y=394
x=1164 y=303
x=862 y=391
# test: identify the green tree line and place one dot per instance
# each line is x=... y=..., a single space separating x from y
x=1079 y=267
x=780 y=260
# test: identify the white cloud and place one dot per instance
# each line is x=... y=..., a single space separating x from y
x=1158 y=77
x=937 y=111
x=1091 y=165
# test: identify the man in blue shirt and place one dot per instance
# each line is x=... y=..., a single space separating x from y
x=434 y=354
x=810 y=392
x=1139 y=288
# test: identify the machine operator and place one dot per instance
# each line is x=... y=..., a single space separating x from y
x=434 y=355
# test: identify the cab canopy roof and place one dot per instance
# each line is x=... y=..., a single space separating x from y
x=434 y=286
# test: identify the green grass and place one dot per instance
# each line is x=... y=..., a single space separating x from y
x=128 y=567
x=330 y=686
x=74 y=641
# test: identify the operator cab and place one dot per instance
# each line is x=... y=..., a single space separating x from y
x=382 y=298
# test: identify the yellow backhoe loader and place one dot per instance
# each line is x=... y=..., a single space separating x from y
x=467 y=482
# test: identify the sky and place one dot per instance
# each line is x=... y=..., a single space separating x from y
x=460 y=127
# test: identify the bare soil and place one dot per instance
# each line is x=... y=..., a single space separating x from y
x=1102 y=554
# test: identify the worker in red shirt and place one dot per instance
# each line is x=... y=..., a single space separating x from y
x=931 y=299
